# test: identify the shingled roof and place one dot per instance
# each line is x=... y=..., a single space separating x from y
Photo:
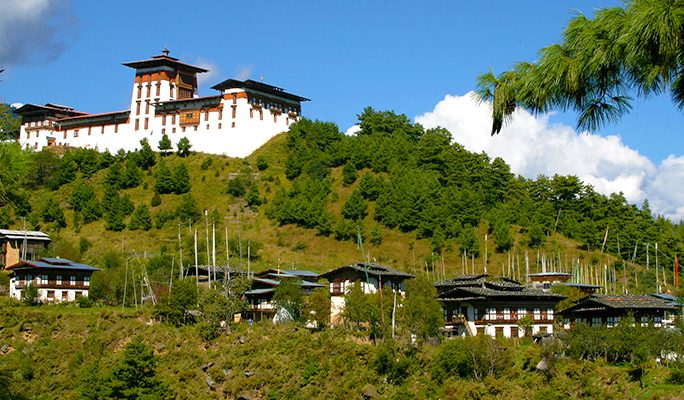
x=374 y=270
x=598 y=302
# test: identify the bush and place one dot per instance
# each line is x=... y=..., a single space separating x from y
x=30 y=295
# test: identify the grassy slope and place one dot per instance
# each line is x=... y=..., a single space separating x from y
x=51 y=349
x=286 y=245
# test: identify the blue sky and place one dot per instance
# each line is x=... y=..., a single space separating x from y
x=406 y=56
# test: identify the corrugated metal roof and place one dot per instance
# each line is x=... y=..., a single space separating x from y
x=53 y=263
x=20 y=235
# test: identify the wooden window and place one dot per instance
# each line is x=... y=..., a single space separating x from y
x=149 y=87
x=65 y=133
x=207 y=126
x=86 y=281
x=234 y=98
x=163 y=120
x=89 y=129
x=220 y=114
x=521 y=313
x=158 y=88
x=59 y=280
x=206 y=116
x=275 y=118
x=537 y=313
x=51 y=294
x=549 y=313
x=183 y=129
x=75 y=133
x=72 y=280
x=219 y=126
x=147 y=107
x=102 y=130
x=507 y=313
x=173 y=130
x=173 y=119
x=251 y=113
x=163 y=131
x=137 y=124
x=139 y=91
x=65 y=295
x=137 y=108
x=515 y=332
x=171 y=91
x=261 y=115
x=147 y=125
x=232 y=125
x=116 y=128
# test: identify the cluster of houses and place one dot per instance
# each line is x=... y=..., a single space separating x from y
x=472 y=304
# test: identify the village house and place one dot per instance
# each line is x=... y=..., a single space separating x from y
x=264 y=284
x=17 y=244
x=57 y=279
x=474 y=304
x=241 y=117
x=607 y=310
x=371 y=277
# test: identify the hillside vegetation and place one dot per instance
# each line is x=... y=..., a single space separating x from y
x=65 y=352
x=420 y=203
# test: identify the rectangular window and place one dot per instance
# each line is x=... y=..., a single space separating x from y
x=89 y=128
x=147 y=123
x=220 y=113
x=235 y=112
x=102 y=130
x=163 y=131
x=507 y=313
x=219 y=126
x=137 y=108
x=595 y=321
x=163 y=120
x=116 y=128
x=173 y=119
x=86 y=281
x=75 y=133
x=149 y=87
x=51 y=294
x=72 y=280
x=147 y=107
x=59 y=280
x=173 y=130
x=137 y=124
x=139 y=91
x=491 y=314
x=158 y=88
x=521 y=313
x=65 y=295
x=206 y=116
x=549 y=313
x=537 y=313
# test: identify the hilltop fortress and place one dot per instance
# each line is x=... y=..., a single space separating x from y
x=164 y=101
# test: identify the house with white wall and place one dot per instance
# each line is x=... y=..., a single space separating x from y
x=57 y=279
x=475 y=304
x=372 y=277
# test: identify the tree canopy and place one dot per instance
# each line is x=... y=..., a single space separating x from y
x=600 y=63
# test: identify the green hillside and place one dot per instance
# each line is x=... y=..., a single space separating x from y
x=419 y=202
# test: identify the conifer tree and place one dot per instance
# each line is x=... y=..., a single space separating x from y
x=165 y=144
x=164 y=183
x=181 y=179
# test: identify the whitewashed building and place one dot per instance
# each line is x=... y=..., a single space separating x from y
x=371 y=277
x=57 y=279
x=241 y=117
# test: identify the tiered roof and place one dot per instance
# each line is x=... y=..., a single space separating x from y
x=482 y=287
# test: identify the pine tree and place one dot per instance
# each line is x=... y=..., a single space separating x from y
x=165 y=183
x=355 y=208
x=184 y=147
x=165 y=144
x=141 y=219
x=181 y=179
x=146 y=156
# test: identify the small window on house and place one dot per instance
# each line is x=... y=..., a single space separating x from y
x=137 y=108
x=261 y=115
x=163 y=131
x=206 y=116
x=147 y=123
x=89 y=130
x=163 y=120
x=549 y=313
x=158 y=88
x=220 y=114
x=139 y=91
x=137 y=124
x=232 y=125
x=86 y=281
x=147 y=107
x=72 y=280
x=173 y=119
x=50 y=294
x=173 y=130
x=75 y=133
x=207 y=126
x=149 y=87
x=116 y=128
x=507 y=313
x=537 y=313
x=219 y=125
x=102 y=130
x=65 y=295
x=59 y=279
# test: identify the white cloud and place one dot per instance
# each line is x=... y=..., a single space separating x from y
x=243 y=72
x=532 y=145
x=34 y=30
x=352 y=130
x=207 y=77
